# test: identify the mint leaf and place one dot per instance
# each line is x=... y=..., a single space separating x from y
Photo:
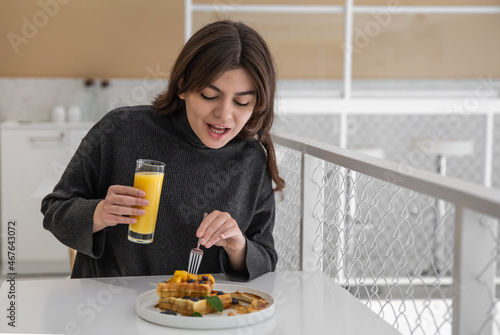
x=215 y=302
x=197 y=314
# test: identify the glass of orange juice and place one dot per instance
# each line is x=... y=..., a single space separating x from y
x=149 y=178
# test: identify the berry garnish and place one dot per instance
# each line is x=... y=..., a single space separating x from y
x=234 y=301
x=195 y=299
x=205 y=278
x=169 y=312
x=220 y=293
x=201 y=282
x=186 y=297
x=191 y=281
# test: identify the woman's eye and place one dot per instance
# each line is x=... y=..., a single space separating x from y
x=207 y=97
x=237 y=103
x=240 y=104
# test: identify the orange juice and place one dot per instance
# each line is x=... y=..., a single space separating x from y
x=150 y=183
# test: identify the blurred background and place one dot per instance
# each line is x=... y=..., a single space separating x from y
x=417 y=83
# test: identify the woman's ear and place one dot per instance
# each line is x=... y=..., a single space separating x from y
x=181 y=95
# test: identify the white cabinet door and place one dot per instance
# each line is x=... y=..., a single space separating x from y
x=32 y=162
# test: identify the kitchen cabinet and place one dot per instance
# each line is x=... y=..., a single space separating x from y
x=32 y=159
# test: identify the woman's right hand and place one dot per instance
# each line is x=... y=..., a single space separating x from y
x=118 y=202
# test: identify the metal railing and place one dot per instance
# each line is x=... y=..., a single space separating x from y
x=418 y=248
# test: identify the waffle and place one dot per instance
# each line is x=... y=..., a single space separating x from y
x=187 y=306
x=255 y=302
x=179 y=290
x=186 y=284
x=184 y=294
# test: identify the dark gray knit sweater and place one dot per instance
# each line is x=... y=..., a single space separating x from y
x=198 y=179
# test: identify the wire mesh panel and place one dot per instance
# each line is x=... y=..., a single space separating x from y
x=389 y=246
x=288 y=210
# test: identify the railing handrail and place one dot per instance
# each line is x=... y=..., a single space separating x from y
x=461 y=193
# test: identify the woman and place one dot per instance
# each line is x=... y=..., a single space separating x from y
x=211 y=128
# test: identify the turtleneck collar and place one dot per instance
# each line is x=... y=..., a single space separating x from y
x=181 y=124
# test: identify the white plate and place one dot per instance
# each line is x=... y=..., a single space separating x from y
x=145 y=303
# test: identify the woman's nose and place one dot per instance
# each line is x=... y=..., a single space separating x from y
x=223 y=111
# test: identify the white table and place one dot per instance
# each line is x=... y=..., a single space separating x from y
x=306 y=303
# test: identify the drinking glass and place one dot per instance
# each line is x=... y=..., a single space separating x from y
x=149 y=178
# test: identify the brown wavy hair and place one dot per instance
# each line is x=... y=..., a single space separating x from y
x=214 y=49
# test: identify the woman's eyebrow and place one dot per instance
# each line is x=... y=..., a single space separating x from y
x=215 y=88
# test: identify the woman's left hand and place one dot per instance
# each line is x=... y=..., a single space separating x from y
x=220 y=229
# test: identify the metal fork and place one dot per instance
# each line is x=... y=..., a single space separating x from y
x=195 y=259
x=195 y=256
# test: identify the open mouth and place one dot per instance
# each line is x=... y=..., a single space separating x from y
x=217 y=129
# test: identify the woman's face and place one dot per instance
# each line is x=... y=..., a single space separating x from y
x=219 y=112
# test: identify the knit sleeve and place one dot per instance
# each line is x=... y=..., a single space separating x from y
x=69 y=210
x=261 y=256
